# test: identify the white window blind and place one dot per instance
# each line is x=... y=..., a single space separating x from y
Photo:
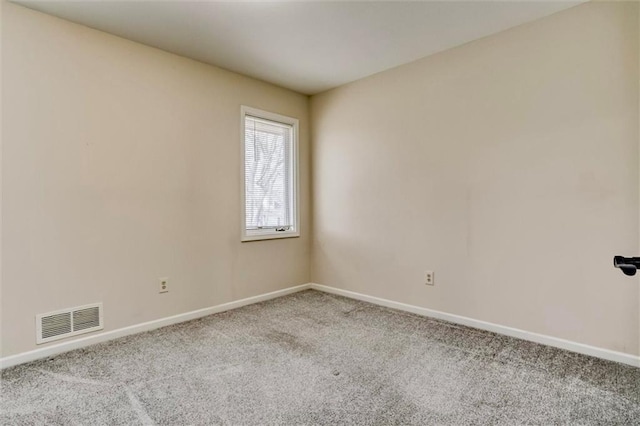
x=269 y=179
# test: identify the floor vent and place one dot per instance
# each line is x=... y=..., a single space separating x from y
x=68 y=322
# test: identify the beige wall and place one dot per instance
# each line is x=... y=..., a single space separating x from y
x=494 y=164
x=508 y=165
x=121 y=165
x=1 y=132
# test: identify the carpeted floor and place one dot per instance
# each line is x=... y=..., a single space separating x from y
x=315 y=358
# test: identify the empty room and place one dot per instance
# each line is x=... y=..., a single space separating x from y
x=319 y=212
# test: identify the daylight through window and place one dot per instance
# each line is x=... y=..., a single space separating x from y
x=269 y=175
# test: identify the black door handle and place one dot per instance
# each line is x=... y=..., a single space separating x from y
x=628 y=265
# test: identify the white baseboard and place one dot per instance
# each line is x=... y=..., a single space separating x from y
x=59 y=348
x=495 y=328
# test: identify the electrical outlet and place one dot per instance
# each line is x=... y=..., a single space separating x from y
x=429 y=278
x=164 y=285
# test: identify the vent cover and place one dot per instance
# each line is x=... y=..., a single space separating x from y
x=68 y=322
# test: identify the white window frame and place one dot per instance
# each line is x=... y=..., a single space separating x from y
x=270 y=234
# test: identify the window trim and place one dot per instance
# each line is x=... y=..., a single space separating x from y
x=269 y=234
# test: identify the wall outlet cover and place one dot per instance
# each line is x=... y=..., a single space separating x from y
x=163 y=285
x=429 y=278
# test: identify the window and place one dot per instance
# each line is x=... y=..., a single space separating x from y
x=270 y=175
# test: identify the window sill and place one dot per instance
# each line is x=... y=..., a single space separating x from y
x=274 y=235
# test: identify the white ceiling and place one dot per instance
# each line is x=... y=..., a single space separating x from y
x=305 y=46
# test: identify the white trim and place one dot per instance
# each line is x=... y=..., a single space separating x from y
x=59 y=348
x=295 y=178
x=495 y=328
x=268 y=235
